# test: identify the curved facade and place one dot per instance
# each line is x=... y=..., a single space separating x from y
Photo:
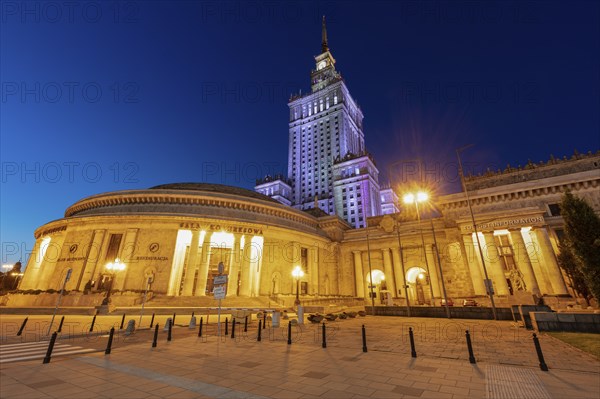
x=176 y=235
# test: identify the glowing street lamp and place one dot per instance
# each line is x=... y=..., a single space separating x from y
x=297 y=273
x=112 y=268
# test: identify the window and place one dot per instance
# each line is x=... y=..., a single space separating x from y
x=554 y=209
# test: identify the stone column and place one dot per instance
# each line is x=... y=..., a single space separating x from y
x=523 y=262
x=234 y=266
x=473 y=261
x=48 y=266
x=245 y=288
x=92 y=256
x=554 y=274
x=358 y=274
x=400 y=277
x=434 y=278
x=204 y=262
x=190 y=269
x=389 y=272
x=495 y=270
x=127 y=257
x=313 y=260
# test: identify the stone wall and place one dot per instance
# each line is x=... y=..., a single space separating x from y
x=576 y=322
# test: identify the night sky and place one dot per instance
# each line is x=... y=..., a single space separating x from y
x=106 y=96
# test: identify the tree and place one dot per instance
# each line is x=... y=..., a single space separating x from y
x=582 y=235
x=572 y=267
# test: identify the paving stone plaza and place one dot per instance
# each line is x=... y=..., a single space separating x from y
x=189 y=366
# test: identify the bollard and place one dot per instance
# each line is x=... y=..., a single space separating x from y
x=169 y=336
x=152 y=321
x=226 y=326
x=22 y=327
x=110 y=339
x=50 y=347
x=470 y=348
x=289 y=333
x=122 y=322
x=246 y=324
x=233 y=328
x=174 y=314
x=264 y=320
x=200 y=328
x=93 y=322
x=413 y=352
x=538 y=349
x=364 y=337
x=259 y=330
x=154 y=342
x=62 y=320
x=324 y=337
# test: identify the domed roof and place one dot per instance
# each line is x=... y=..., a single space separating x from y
x=214 y=188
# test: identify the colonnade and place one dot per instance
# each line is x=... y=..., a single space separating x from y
x=531 y=250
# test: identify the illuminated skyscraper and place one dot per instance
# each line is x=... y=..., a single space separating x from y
x=328 y=163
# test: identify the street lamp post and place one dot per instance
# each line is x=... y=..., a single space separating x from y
x=488 y=285
x=437 y=252
x=113 y=268
x=298 y=273
x=411 y=198
x=402 y=264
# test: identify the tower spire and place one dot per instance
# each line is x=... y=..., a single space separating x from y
x=324 y=47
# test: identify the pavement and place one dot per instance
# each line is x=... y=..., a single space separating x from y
x=210 y=366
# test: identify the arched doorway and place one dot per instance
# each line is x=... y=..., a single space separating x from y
x=378 y=285
x=418 y=285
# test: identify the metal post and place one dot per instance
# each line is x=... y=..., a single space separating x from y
x=437 y=252
x=538 y=349
x=233 y=328
x=370 y=270
x=174 y=314
x=470 y=348
x=22 y=327
x=402 y=264
x=226 y=326
x=259 y=330
x=464 y=184
x=152 y=320
x=289 y=333
x=364 y=338
x=144 y=301
x=413 y=351
x=122 y=321
x=154 y=342
x=62 y=320
x=169 y=336
x=246 y=324
x=324 y=345
x=50 y=348
x=264 y=319
x=200 y=328
x=424 y=251
x=93 y=322
x=110 y=340
x=62 y=290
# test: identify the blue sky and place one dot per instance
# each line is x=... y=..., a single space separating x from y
x=104 y=96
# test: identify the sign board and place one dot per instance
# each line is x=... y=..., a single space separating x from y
x=220 y=280
x=219 y=292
